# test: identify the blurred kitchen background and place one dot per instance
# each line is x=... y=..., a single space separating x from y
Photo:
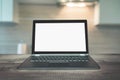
x=103 y=17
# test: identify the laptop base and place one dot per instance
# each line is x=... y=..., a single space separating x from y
x=90 y=64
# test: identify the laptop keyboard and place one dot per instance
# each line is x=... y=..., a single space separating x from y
x=59 y=59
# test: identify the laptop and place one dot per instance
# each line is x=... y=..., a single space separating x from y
x=59 y=44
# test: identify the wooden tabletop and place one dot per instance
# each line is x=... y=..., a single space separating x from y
x=110 y=70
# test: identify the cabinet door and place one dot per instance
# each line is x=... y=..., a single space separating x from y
x=0 y=10
x=7 y=10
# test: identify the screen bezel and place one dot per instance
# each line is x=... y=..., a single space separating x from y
x=59 y=52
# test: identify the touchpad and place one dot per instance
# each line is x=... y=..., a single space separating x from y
x=58 y=64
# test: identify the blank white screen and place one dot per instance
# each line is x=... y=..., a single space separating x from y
x=60 y=37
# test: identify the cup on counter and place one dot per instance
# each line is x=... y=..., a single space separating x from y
x=22 y=48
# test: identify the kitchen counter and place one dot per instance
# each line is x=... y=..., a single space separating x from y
x=110 y=70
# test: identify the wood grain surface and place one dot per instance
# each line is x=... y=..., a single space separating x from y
x=110 y=70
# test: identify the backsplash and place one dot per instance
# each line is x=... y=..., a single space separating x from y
x=102 y=39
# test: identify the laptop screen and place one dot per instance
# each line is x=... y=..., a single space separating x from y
x=60 y=36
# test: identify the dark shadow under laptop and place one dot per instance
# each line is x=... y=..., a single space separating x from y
x=59 y=44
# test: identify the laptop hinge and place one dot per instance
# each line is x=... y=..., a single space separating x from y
x=35 y=54
x=62 y=54
x=84 y=54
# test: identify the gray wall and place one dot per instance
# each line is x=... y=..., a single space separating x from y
x=102 y=39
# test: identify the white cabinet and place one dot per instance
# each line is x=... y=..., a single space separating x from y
x=8 y=11
x=107 y=12
x=0 y=10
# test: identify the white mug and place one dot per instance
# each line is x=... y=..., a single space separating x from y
x=22 y=48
